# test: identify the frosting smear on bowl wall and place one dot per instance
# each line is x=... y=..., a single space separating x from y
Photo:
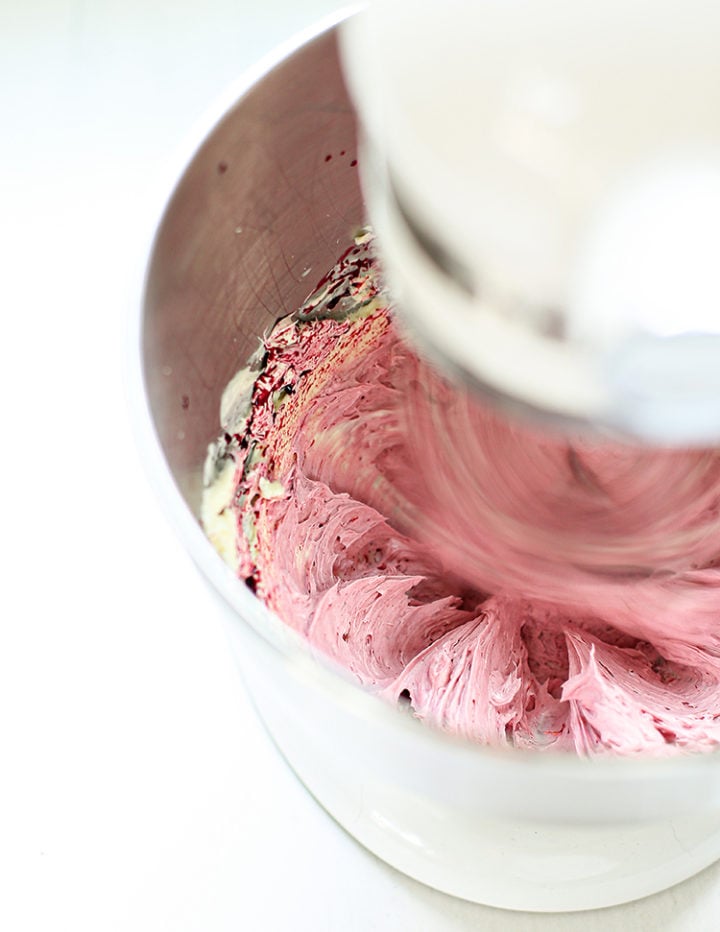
x=335 y=431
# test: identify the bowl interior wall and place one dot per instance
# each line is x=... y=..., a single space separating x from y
x=257 y=219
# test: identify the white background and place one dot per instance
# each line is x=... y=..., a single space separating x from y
x=137 y=791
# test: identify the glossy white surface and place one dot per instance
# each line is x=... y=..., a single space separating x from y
x=563 y=159
x=138 y=790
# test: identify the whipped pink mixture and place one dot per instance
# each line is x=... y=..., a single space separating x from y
x=509 y=586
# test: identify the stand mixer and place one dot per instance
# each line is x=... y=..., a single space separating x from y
x=544 y=179
x=507 y=828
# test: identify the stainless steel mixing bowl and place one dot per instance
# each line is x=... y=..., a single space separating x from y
x=267 y=203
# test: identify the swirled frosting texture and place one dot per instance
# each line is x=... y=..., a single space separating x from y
x=510 y=586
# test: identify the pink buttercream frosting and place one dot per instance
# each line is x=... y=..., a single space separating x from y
x=510 y=586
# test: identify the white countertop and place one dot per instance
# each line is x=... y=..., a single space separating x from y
x=138 y=790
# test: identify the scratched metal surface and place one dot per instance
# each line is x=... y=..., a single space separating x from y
x=264 y=209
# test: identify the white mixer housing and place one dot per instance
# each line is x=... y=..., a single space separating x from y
x=544 y=177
